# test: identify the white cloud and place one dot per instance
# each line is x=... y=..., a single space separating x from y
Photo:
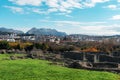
x=116 y=17
x=92 y=3
x=69 y=16
x=112 y=6
x=62 y=22
x=118 y=0
x=15 y=9
x=63 y=6
x=39 y=11
x=53 y=3
x=52 y=10
x=27 y=2
x=99 y=1
x=100 y=29
x=72 y=22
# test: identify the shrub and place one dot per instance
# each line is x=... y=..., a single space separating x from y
x=4 y=45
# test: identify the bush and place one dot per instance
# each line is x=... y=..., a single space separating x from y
x=38 y=46
x=28 y=48
x=4 y=45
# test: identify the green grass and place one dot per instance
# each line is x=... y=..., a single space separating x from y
x=33 y=69
x=7 y=56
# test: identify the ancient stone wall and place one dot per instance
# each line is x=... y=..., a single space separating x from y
x=107 y=58
x=105 y=65
x=73 y=55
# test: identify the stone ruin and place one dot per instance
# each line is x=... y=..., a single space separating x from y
x=95 y=61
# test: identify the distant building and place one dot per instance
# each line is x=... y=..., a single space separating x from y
x=28 y=37
x=10 y=40
x=52 y=39
x=10 y=37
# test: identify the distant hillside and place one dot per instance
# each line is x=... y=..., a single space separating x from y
x=44 y=31
x=10 y=30
x=98 y=36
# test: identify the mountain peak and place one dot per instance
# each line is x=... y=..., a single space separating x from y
x=33 y=28
x=45 y=31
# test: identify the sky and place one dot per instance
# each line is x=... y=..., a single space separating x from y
x=93 y=17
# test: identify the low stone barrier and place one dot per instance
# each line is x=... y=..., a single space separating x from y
x=106 y=58
x=105 y=65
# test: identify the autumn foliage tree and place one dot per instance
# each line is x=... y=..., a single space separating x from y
x=92 y=49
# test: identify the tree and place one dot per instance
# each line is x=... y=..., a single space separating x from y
x=4 y=45
x=28 y=48
x=18 y=47
x=44 y=47
x=38 y=46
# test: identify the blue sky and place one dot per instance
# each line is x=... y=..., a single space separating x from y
x=94 y=17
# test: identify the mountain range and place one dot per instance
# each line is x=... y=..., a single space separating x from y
x=11 y=30
x=35 y=31
x=45 y=31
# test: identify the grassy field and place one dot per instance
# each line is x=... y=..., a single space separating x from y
x=29 y=69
